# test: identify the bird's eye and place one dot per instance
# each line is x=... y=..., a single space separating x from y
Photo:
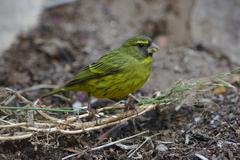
x=140 y=45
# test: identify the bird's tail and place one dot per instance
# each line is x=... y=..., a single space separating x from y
x=54 y=91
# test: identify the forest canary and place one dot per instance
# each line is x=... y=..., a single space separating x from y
x=117 y=73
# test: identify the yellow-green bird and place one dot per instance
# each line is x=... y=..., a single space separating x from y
x=117 y=73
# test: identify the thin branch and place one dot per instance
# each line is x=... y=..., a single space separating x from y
x=108 y=144
x=37 y=109
x=53 y=119
x=14 y=125
x=37 y=87
x=132 y=152
x=89 y=126
x=118 y=141
x=9 y=100
x=25 y=100
x=17 y=137
x=70 y=156
x=24 y=124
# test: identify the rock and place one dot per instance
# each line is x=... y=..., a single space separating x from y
x=111 y=22
x=52 y=46
x=17 y=17
x=77 y=106
x=216 y=25
x=180 y=63
x=161 y=148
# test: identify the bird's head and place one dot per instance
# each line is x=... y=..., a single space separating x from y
x=143 y=43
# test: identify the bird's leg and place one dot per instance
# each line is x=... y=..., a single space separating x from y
x=129 y=103
x=131 y=106
x=92 y=111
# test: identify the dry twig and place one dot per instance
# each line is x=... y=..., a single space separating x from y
x=17 y=137
x=107 y=145
x=132 y=152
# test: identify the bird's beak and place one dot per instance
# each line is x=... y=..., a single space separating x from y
x=153 y=48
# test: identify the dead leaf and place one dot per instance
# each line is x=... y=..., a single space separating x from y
x=219 y=90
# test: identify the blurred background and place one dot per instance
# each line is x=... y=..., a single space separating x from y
x=47 y=41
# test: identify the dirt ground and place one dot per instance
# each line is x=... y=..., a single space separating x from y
x=54 y=51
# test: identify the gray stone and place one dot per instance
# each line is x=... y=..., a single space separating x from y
x=161 y=148
x=111 y=22
x=17 y=17
x=216 y=25
x=179 y=63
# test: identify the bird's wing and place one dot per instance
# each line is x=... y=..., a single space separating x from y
x=108 y=64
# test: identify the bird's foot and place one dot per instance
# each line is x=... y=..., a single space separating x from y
x=130 y=103
x=131 y=106
x=92 y=114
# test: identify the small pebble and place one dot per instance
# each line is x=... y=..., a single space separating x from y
x=77 y=106
x=162 y=148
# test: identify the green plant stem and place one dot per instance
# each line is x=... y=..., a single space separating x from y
x=37 y=109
